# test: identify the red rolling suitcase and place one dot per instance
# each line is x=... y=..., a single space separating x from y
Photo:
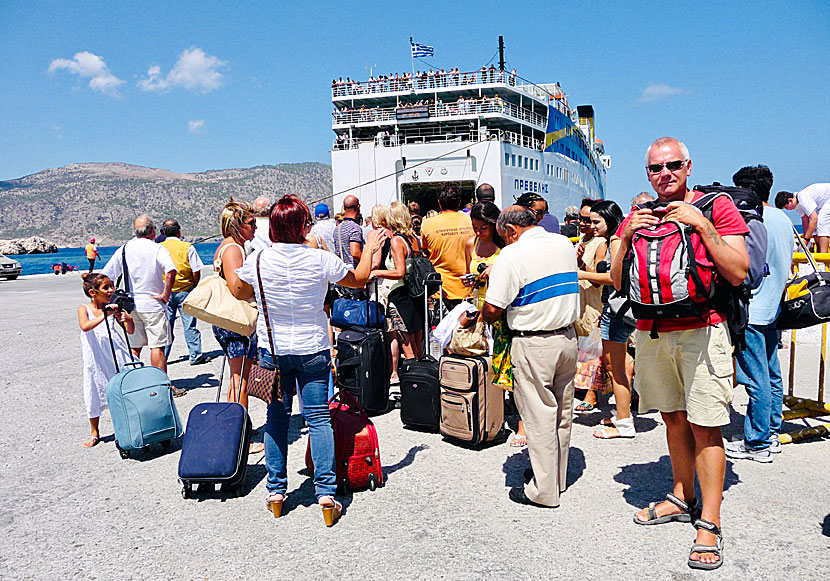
x=356 y=445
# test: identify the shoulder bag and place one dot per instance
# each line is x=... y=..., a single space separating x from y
x=806 y=298
x=265 y=383
x=212 y=301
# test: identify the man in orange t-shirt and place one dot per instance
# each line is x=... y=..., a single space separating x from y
x=443 y=238
x=91 y=253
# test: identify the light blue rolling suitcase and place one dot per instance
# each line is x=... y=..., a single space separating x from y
x=141 y=404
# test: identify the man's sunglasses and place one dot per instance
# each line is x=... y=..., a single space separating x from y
x=669 y=165
x=585 y=219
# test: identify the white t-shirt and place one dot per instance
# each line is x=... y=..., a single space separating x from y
x=812 y=198
x=261 y=240
x=535 y=279
x=147 y=262
x=295 y=279
x=324 y=228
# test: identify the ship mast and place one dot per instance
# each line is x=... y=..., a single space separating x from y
x=501 y=53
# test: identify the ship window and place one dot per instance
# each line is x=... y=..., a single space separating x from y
x=520 y=161
x=513 y=159
x=506 y=159
x=536 y=164
x=525 y=162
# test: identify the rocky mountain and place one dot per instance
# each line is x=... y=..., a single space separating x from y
x=69 y=204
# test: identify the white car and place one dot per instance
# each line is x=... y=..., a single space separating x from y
x=9 y=267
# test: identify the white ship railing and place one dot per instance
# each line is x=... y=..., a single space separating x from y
x=441 y=110
x=437 y=135
x=437 y=81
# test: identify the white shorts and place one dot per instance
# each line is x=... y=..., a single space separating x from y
x=823 y=226
x=151 y=330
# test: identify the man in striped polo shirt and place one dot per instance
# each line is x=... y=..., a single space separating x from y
x=534 y=280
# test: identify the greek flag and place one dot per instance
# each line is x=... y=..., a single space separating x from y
x=421 y=50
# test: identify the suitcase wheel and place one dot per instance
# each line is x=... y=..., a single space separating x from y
x=373 y=482
x=124 y=453
x=187 y=490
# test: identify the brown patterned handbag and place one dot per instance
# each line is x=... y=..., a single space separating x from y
x=264 y=383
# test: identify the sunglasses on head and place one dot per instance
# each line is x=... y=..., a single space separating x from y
x=669 y=165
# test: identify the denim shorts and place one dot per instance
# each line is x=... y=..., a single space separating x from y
x=613 y=329
x=234 y=344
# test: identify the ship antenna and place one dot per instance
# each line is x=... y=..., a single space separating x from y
x=501 y=53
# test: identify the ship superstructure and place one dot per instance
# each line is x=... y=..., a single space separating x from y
x=401 y=137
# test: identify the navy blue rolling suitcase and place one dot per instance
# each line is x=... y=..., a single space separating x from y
x=215 y=447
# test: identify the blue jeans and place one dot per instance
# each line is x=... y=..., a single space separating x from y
x=311 y=373
x=760 y=371
x=192 y=336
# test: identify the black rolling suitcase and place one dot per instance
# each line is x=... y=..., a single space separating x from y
x=361 y=366
x=420 y=387
x=215 y=447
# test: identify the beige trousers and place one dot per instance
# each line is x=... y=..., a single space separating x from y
x=543 y=387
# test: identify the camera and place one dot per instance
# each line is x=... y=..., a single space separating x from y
x=123 y=300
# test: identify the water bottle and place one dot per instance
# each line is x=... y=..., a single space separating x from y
x=434 y=345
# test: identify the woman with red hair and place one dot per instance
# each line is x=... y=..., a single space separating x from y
x=294 y=279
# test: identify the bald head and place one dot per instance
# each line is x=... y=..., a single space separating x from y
x=261 y=206
x=351 y=206
x=144 y=227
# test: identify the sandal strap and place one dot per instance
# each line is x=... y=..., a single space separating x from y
x=696 y=548
x=652 y=513
x=677 y=502
x=709 y=526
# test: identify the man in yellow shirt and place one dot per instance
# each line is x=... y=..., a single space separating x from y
x=91 y=253
x=443 y=239
x=188 y=271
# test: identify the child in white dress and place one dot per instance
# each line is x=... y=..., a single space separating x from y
x=95 y=344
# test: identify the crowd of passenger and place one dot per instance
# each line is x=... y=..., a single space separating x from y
x=426 y=79
x=461 y=106
x=516 y=269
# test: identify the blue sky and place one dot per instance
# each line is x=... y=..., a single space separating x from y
x=191 y=86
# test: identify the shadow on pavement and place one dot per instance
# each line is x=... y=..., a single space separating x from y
x=403 y=462
x=515 y=465
x=825 y=526
x=651 y=481
x=202 y=380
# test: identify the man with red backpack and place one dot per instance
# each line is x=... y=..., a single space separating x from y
x=684 y=363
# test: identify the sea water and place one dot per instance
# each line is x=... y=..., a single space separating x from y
x=76 y=257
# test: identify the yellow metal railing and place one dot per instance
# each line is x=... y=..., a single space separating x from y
x=802 y=407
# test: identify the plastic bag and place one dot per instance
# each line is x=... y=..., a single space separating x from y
x=588 y=361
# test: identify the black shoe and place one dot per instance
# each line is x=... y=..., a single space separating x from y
x=517 y=494
x=528 y=475
x=200 y=360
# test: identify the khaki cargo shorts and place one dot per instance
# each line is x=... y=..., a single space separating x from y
x=151 y=330
x=687 y=371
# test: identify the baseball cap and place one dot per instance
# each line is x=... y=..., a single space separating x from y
x=92 y=239
x=321 y=210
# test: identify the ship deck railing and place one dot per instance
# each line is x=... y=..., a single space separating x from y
x=439 y=81
x=437 y=111
x=425 y=135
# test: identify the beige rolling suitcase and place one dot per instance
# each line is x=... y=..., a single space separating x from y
x=472 y=408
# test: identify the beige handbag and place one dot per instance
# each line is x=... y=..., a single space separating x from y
x=212 y=301
x=470 y=340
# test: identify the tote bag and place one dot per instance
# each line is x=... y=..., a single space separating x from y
x=212 y=301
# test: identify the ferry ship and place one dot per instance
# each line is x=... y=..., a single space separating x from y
x=400 y=137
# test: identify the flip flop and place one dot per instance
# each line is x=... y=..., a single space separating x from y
x=583 y=406
x=518 y=441
x=91 y=442
x=256 y=448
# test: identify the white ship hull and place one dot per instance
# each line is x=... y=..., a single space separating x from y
x=380 y=175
